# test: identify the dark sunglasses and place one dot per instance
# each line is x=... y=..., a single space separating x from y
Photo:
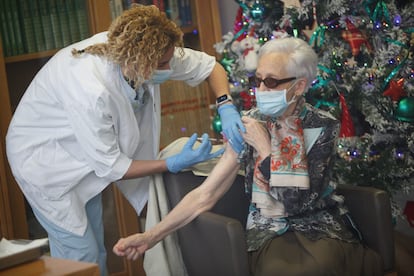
x=269 y=82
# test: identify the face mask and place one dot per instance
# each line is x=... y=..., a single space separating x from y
x=161 y=76
x=273 y=103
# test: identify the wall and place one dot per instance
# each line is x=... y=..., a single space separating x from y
x=228 y=11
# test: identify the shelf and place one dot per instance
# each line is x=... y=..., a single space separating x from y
x=46 y=54
x=189 y=29
x=31 y=56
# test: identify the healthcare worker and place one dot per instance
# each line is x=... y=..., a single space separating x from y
x=91 y=116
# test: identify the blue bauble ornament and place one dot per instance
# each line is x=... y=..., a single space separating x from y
x=405 y=110
x=257 y=11
x=217 y=124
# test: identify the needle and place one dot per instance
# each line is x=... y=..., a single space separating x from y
x=211 y=139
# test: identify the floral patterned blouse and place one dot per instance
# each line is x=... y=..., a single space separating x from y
x=316 y=212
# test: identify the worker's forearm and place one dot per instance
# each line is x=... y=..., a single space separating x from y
x=141 y=168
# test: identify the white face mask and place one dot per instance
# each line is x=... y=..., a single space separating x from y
x=273 y=103
x=161 y=76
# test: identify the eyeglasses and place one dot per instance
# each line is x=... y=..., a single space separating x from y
x=269 y=82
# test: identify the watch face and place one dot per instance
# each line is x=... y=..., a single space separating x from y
x=222 y=98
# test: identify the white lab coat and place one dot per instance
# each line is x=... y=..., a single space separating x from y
x=75 y=131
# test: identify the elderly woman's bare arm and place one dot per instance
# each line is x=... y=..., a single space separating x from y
x=194 y=203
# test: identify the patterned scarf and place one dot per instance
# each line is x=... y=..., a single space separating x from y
x=288 y=164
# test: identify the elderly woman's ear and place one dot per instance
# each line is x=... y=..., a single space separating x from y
x=301 y=86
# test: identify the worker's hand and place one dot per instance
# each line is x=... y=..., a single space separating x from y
x=189 y=156
x=232 y=125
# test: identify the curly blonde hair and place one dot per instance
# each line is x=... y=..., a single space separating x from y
x=137 y=39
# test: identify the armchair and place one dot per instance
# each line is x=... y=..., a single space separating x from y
x=214 y=243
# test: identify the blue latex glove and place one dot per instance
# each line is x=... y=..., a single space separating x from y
x=231 y=125
x=189 y=156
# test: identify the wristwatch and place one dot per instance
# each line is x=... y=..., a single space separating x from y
x=223 y=99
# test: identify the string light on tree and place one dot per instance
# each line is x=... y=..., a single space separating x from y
x=365 y=50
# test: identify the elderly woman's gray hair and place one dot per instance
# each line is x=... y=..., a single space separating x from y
x=303 y=60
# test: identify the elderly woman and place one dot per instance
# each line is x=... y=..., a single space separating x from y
x=296 y=223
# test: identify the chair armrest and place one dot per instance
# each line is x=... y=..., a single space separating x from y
x=370 y=209
x=214 y=245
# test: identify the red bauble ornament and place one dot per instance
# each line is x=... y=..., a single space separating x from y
x=249 y=100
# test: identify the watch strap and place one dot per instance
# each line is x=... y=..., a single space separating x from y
x=223 y=99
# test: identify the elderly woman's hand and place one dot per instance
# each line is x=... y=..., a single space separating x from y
x=133 y=246
x=257 y=136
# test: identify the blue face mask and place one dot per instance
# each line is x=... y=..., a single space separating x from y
x=161 y=76
x=272 y=103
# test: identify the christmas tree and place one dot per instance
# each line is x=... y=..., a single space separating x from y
x=365 y=78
